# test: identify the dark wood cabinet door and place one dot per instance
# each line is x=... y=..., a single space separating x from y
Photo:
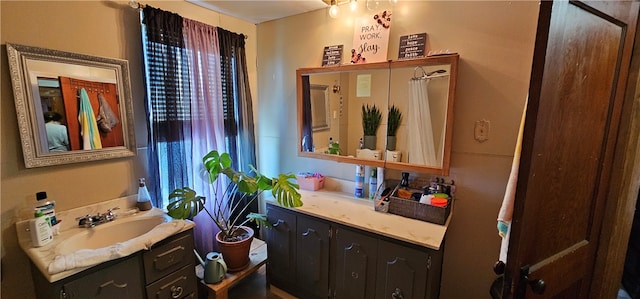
x=281 y=240
x=312 y=263
x=123 y=280
x=355 y=262
x=403 y=272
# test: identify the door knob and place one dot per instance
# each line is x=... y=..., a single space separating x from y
x=498 y=267
x=537 y=285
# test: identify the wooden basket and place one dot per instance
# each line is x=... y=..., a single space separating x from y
x=419 y=211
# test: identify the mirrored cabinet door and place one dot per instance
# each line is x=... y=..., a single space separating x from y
x=421 y=104
x=395 y=114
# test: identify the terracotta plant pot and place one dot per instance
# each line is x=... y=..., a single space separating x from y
x=236 y=254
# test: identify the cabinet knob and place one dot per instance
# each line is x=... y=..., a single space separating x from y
x=354 y=275
x=176 y=291
x=397 y=294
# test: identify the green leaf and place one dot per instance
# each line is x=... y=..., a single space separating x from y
x=286 y=192
x=184 y=203
x=259 y=219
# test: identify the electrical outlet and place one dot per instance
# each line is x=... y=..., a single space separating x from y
x=481 y=130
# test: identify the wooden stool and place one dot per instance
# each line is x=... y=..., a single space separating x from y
x=257 y=256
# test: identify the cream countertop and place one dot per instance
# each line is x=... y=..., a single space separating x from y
x=43 y=256
x=359 y=213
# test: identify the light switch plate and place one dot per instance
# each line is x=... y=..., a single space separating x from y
x=481 y=130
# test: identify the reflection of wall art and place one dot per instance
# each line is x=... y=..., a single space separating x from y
x=371 y=38
x=319 y=107
x=363 y=86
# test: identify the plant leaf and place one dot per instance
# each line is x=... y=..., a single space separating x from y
x=184 y=203
x=286 y=192
x=259 y=219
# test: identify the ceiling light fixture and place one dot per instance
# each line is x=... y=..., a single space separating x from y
x=333 y=10
x=353 y=4
x=372 y=4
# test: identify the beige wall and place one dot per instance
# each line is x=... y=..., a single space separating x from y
x=495 y=42
x=99 y=28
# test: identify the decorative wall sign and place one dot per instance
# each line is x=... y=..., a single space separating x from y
x=332 y=55
x=371 y=38
x=412 y=46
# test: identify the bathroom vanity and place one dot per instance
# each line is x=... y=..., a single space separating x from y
x=164 y=271
x=137 y=255
x=336 y=246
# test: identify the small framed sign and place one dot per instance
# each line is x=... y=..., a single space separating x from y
x=412 y=46
x=332 y=55
x=371 y=38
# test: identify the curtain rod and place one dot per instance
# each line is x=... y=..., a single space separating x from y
x=137 y=5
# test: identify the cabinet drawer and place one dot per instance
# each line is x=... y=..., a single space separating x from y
x=122 y=280
x=181 y=284
x=168 y=257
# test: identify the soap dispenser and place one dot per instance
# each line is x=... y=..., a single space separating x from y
x=144 y=199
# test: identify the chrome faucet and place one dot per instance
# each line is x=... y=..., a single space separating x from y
x=93 y=220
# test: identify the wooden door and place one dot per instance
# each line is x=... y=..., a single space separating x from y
x=580 y=69
x=70 y=93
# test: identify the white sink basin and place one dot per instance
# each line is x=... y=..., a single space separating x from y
x=107 y=234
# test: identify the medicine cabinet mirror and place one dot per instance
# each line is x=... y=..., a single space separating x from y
x=422 y=90
x=71 y=107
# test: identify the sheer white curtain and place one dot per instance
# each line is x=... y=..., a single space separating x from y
x=421 y=144
x=207 y=122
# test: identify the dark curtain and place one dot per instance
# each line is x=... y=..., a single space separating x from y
x=238 y=107
x=167 y=103
x=307 y=125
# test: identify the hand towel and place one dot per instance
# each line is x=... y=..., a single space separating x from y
x=506 y=210
x=92 y=257
x=88 y=124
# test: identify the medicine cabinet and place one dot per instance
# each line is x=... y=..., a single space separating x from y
x=422 y=90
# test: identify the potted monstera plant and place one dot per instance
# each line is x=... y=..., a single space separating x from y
x=234 y=238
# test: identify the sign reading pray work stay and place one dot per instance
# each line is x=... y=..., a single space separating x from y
x=371 y=38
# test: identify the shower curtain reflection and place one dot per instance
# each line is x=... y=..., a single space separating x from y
x=421 y=149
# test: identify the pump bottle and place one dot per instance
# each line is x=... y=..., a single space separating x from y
x=144 y=199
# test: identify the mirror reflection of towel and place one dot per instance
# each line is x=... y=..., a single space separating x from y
x=106 y=118
x=88 y=124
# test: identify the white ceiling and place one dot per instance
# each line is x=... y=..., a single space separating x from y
x=258 y=11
